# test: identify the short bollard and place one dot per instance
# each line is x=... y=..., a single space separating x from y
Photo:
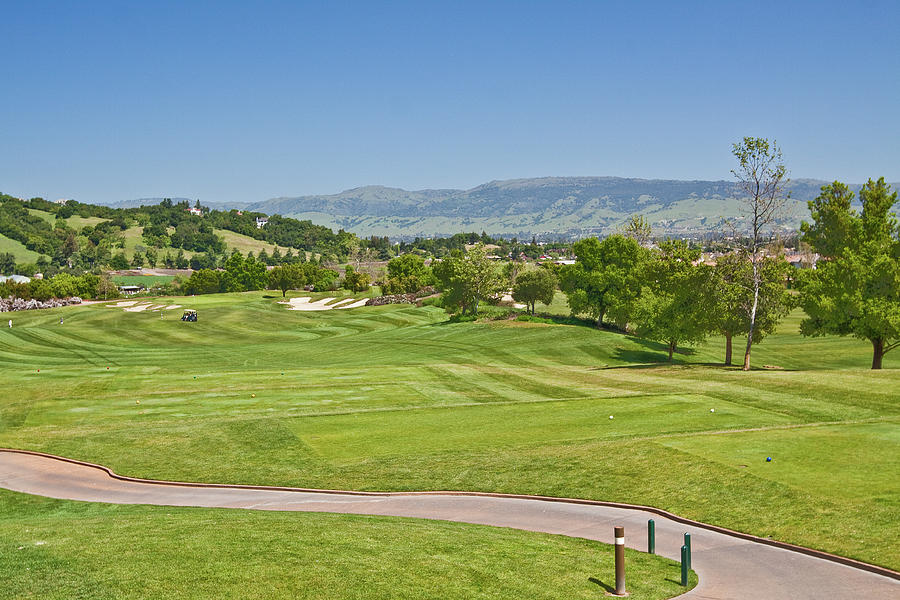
x=620 y=560
x=651 y=536
x=684 y=565
x=687 y=544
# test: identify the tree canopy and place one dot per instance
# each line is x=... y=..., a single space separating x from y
x=674 y=306
x=534 y=285
x=604 y=280
x=855 y=290
x=286 y=277
x=407 y=274
x=468 y=279
x=732 y=297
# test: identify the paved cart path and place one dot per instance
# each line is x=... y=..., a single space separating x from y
x=729 y=567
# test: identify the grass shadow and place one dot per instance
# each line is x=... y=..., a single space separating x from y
x=609 y=589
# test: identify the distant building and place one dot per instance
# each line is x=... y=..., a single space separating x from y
x=130 y=290
x=60 y=201
x=195 y=211
x=261 y=222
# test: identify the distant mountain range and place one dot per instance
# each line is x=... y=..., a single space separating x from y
x=548 y=207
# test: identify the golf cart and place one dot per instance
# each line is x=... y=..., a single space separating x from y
x=189 y=315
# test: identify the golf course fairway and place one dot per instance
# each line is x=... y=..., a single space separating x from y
x=396 y=398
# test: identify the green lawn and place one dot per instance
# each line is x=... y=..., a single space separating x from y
x=59 y=550
x=233 y=241
x=17 y=249
x=77 y=222
x=245 y=243
x=396 y=398
x=47 y=216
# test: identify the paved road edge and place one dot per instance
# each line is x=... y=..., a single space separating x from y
x=850 y=562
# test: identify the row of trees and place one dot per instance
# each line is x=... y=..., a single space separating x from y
x=62 y=285
x=668 y=295
x=241 y=273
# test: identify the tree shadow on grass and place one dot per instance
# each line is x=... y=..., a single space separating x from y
x=650 y=354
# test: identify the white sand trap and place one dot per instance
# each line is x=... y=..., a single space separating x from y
x=138 y=308
x=156 y=307
x=356 y=304
x=307 y=304
x=122 y=304
x=339 y=302
x=519 y=306
x=173 y=306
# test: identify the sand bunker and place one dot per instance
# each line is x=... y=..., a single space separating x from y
x=306 y=303
x=137 y=307
x=509 y=298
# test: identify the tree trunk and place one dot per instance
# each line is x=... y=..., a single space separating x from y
x=752 y=315
x=671 y=350
x=727 y=348
x=532 y=309
x=600 y=319
x=877 y=353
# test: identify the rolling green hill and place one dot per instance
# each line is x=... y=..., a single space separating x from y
x=17 y=249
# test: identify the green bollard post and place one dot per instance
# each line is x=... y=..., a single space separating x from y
x=651 y=536
x=687 y=544
x=684 y=565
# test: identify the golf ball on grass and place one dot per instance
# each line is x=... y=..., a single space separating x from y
x=253 y=395
x=610 y=416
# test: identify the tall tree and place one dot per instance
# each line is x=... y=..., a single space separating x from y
x=407 y=274
x=354 y=280
x=535 y=285
x=855 y=290
x=638 y=228
x=762 y=177
x=732 y=297
x=7 y=263
x=242 y=274
x=467 y=280
x=284 y=278
x=605 y=277
x=673 y=306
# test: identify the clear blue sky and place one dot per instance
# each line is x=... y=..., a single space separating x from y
x=249 y=100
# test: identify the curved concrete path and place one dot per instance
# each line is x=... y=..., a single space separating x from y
x=729 y=566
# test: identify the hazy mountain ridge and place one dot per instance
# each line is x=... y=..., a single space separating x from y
x=567 y=206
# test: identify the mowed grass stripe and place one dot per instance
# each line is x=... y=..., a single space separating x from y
x=432 y=430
